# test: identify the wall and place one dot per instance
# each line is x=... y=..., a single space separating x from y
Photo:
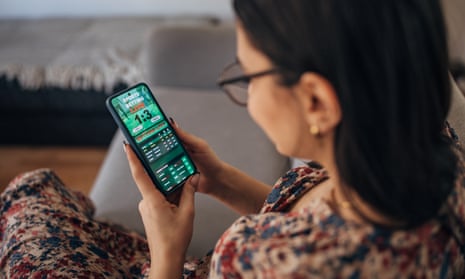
x=76 y=8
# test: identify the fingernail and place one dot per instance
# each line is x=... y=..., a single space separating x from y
x=125 y=145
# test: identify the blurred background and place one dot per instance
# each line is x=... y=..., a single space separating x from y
x=86 y=8
x=60 y=59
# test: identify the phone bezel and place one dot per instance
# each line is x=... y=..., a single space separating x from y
x=133 y=143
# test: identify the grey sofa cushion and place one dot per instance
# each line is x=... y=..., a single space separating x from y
x=189 y=56
x=230 y=132
x=454 y=11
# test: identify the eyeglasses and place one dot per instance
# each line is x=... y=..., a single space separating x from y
x=235 y=83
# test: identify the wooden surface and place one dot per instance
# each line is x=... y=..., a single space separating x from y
x=76 y=166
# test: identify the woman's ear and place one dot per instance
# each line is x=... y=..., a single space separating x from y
x=319 y=102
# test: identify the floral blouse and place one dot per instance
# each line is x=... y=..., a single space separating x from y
x=316 y=243
x=47 y=231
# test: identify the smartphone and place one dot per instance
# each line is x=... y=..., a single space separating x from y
x=152 y=137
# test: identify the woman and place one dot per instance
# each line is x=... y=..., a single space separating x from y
x=361 y=89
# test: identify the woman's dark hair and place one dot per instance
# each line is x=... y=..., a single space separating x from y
x=388 y=62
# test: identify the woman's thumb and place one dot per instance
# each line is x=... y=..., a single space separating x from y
x=186 y=203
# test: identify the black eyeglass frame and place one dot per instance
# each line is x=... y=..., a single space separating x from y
x=242 y=78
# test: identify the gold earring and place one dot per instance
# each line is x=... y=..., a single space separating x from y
x=314 y=130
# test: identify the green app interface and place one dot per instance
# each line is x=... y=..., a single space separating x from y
x=154 y=137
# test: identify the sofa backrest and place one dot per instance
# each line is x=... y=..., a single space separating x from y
x=454 y=11
x=189 y=57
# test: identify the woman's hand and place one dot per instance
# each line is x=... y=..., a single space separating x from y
x=168 y=227
x=211 y=168
x=222 y=181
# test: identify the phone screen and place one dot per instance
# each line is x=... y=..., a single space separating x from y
x=153 y=137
